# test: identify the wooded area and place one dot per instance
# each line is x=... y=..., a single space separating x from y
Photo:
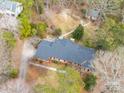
x=57 y=19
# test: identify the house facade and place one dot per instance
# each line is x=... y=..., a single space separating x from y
x=11 y=8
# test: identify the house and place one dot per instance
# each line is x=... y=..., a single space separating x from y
x=93 y=14
x=10 y=8
x=65 y=50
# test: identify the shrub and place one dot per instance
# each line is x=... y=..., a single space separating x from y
x=102 y=44
x=40 y=29
x=88 y=42
x=9 y=38
x=13 y=73
x=90 y=82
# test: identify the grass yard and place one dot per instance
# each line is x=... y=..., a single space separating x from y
x=54 y=82
x=63 y=21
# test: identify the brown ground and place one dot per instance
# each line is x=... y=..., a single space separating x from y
x=63 y=20
x=99 y=87
x=37 y=75
x=16 y=53
x=34 y=72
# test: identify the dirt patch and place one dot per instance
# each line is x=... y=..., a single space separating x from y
x=63 y=20
x=99 y=87
x=37 y=75
x=51 y=78
x=16 y=53
x=34 y=73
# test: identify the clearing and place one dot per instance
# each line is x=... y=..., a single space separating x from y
x=62 y=20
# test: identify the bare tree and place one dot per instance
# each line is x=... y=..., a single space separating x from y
x=15 y=86
x=105 y=7
x=4 y=59
x=63 y=3
x=9 y=23
x=38 y=5
x=110 y=67
x=70 y=3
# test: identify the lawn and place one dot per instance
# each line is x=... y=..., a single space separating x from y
x=47 y=81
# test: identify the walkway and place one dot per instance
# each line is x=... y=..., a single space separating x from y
x=81 y=22
x=49 y=68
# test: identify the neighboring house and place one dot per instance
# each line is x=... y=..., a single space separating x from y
x=10 y=8
x=65 y=51
x=93 y=14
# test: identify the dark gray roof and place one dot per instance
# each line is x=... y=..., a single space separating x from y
x=66 y=50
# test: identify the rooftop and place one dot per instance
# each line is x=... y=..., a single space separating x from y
x=9 y=5
x=66 y=50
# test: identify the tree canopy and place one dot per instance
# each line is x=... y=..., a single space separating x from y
x=90 y=82
x=26 y=30
x=110 y=35
x=78 y=33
